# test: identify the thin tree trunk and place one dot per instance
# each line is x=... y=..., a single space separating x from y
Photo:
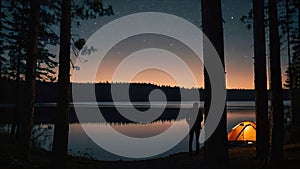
x=277 y=118
x=260 y=73
x=290 y=75
x=295 y=101
x=32 y=54
x=61 y=131
x=18 y=115
x=216 y=147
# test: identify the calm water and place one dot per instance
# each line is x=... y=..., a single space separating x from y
x=81 y=145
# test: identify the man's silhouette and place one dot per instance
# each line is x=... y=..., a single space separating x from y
x=196 y=114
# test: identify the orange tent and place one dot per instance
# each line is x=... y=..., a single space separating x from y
x=244 y=131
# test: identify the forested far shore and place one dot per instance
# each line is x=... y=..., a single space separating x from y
x=47 y=92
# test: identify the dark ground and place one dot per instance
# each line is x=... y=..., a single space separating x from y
x=240 y=157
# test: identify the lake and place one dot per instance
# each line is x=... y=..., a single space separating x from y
x=82 y=145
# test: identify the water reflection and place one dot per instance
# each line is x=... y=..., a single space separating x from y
x=81 y=145
x=79 y=141
x=143 y=130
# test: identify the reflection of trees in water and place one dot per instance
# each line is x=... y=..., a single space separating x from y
x=41 y=134
x=86 y=153
x=153 y=122
x=113 y=116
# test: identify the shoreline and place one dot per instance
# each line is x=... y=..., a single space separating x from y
x=239 y=157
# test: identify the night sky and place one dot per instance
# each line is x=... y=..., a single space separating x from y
x=238 y=40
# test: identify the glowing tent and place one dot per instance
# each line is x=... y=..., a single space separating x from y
x=244 y=132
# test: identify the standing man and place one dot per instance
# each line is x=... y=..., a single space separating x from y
x=194 y=119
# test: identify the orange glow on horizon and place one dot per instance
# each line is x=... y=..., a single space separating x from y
x=155 y=76
x=236 y=77
x=240 y=81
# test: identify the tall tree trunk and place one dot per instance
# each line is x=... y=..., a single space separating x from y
x=61 y=131
x=32 y=54
x=290 y=75
x=18 y=115
x=295 y=101
x=277 y=118
x=216 y=147
x=260 y=73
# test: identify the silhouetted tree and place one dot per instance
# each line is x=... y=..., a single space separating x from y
x=295 y=82
x=2 y=39
x=18 y=34
x=17 y=27
x=18 y=31
x=216 y=147
x=289 y=34
x=287 y=28
x=260 y=73
x=84 y=10
x=277 y=118
x=31 y=61
x=61 y=130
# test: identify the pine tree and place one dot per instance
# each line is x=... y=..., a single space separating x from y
x=216 y=147
x=61 y=130
x=295 y=69
x=260 y=71
x=2 y=39
x=31 y=62
x=277 y=118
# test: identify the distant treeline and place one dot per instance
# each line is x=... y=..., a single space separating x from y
x=47 y=92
